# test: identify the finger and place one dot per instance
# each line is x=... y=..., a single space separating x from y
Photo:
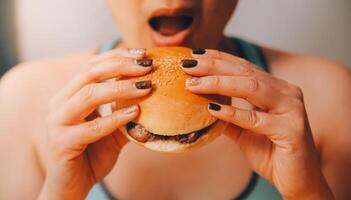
x=253 y=120
x=105 y=70
x=205 y=66
x=255 y=91
x=92 y=131
x=87 y=99
x=213 y=54
x=138 y=53
x=213 y=62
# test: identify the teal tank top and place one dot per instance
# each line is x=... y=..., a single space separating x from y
x=258 y=188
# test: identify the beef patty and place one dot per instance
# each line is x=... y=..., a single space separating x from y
x=140 y=134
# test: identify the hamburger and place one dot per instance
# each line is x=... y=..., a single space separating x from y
x=172 y=119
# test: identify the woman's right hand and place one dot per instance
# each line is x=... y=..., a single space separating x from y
x=83 y=147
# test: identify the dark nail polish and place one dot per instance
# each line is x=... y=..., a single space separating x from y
x=142 y=85
x=199 y=51
x=144 y=62
x=188 y=63
x=214 y=106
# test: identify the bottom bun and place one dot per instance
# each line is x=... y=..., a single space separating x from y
x=172 y=146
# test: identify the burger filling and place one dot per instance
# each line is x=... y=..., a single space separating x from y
x=140 y=134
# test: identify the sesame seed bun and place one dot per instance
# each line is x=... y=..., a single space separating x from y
x=171 y=110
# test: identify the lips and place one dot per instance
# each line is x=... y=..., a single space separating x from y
x=171 y=27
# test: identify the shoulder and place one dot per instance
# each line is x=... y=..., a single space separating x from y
x=326 y=86
x=24 y=94
x=26 y=88
x=297 y=67
x=41 y=73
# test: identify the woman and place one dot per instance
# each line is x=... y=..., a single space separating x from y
x=54 y=145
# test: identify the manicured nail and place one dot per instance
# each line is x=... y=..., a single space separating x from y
x=137 y=51
x=130 y=110
x=199 y=51
x=143 y=85
x=144 y=62
x=188 y=63
x=193 y=81
x=214 y=106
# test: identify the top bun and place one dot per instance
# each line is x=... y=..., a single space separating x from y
x=171 y=109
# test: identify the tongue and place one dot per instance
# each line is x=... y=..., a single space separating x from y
x=171 y=25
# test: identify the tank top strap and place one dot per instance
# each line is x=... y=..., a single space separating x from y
x=109 y=46
x=252 y=53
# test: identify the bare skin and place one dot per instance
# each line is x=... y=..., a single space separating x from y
x=28 y=155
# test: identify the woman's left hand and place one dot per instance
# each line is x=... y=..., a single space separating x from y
x=275 y=137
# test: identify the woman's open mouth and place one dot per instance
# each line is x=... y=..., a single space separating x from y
x=139 y=133
x=169 y=28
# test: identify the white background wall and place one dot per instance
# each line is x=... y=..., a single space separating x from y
x=320 y=27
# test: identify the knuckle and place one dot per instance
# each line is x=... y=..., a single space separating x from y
x=214 y=81
x=87 y=93
x=95 y=126
x=206 y=65
x=120 y=87
x=112 y=119
x=253 y=84
x=232 y=114
x=212 y=63
x=297 y=91
x=254 y=119
x=245 y=67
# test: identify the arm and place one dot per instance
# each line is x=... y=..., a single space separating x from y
x=331 y=115
x=20 y=174
x=328 y=103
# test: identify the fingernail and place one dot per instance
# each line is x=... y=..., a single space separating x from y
x=142 y=85
x=199 y=51
x=137 y=51
x=144 y=62
x=193 y=81
x=130 y=110
x=189 y=63
x=214 y=106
